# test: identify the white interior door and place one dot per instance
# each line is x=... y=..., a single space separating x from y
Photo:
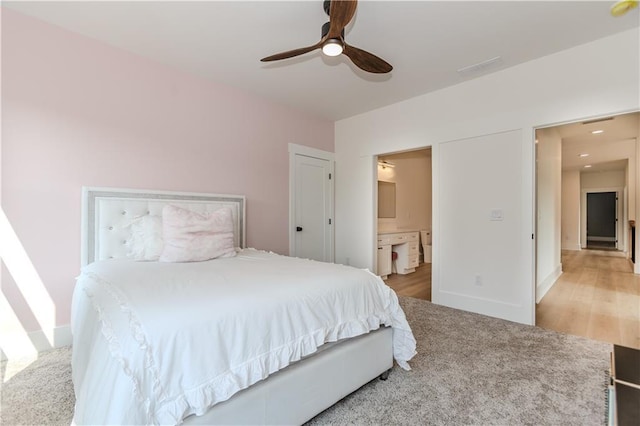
x=311 y=234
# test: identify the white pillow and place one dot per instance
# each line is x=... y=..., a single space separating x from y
x=146 y=238
x=193 y=237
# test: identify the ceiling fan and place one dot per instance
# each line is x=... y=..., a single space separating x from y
x=621 y=7
x=332 y=40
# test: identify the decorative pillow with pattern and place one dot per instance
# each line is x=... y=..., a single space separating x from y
x=192 y=237
x=145 y=243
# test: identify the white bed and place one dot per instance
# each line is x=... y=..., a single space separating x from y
x=139 y=357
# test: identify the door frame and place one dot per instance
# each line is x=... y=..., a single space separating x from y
x=583 y=233
x=295 y=149
x=621 y=202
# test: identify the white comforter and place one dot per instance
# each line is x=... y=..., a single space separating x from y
x=182 y=337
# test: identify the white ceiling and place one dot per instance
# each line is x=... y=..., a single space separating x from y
x=425 y=41
x=607 y=151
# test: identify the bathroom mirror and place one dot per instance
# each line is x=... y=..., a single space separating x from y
x=386 y=199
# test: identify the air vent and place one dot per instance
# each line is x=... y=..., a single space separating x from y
x=598 y=120
x=481 y=66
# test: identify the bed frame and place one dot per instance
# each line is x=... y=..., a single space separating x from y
x=108 y=212
x=290 y=396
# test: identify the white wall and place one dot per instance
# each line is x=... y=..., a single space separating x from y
x=558 y=88
x=571 y=210
x=472 y=185
x=631 y=177
x=598 y=180
x=548 y=204
x=77 y=112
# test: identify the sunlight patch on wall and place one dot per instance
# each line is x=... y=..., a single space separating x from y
x=14 y=342
x=27 y=280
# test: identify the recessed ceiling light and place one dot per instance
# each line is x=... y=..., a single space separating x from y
x=597 y=132
x=587 y=166
x=584 y=155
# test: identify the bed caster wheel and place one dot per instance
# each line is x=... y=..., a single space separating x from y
x=385 y=375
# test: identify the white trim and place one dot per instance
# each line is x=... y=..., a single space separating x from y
x=547 y=283
x=435 y=225
x=636 y=265
x=295 y=149
x=310 y=152
x=374 y=212
x=40 y=342
x=530 y=212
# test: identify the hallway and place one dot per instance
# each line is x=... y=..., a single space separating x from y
x=597 y=296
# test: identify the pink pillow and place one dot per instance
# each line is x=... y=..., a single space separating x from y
x=193 y=237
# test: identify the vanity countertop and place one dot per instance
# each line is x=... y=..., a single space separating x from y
x=397 y=231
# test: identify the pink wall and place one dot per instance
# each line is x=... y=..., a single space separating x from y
x=77 y=112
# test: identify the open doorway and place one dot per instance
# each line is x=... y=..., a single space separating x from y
x=586 y=190
x=404 y=212
x=602 y=220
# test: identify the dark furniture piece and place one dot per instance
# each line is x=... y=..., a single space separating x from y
x=624 y=390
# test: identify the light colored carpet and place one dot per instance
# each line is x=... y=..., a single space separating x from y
x=475 y=370
x=41 y=393
x=470 y=369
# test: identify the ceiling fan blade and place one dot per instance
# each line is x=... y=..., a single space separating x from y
x=367 y=61
x=291 y=53
x=340 y=14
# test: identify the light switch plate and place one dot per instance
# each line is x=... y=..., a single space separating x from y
x=496 y=214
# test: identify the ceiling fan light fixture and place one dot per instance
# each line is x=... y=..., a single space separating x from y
x=332 y=47
x=621 y=7
x=332 y=42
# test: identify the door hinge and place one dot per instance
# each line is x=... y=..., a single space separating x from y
x=329 y=176
x=329 y=221
x=532 y=236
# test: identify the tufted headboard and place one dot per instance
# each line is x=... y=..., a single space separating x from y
x=108 y=212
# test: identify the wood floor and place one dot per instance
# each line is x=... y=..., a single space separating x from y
x=597 y=296
x=416 y=284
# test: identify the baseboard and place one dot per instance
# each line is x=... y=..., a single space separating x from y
x=40 y=343
x=547 y=283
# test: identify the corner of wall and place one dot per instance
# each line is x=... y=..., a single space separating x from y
x=545 y=285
